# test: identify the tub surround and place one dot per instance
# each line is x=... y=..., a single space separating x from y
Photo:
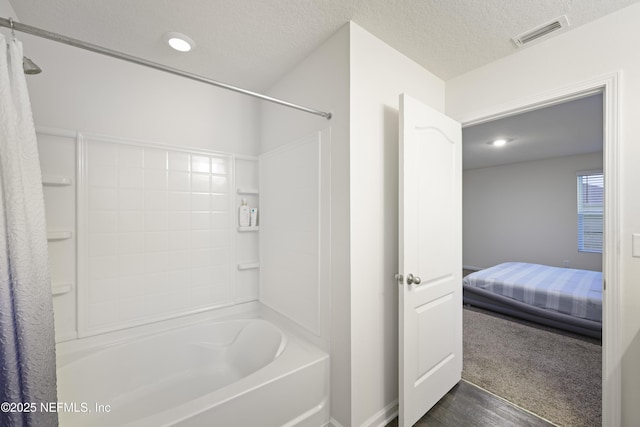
x=294 y=199
x=141 y=232
x=158 y=233
x=156 y=225
x=57 y=151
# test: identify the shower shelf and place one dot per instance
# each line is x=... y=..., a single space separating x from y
x=248 y=266
x=59 y=235
x=56 y=181
x=249 y=191
x=61 y=289
x=246 y=229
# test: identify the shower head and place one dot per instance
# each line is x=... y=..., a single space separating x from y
x=30 y=67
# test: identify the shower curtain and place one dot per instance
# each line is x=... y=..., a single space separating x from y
x=27 y=343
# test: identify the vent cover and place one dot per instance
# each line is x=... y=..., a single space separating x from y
x=541 y=31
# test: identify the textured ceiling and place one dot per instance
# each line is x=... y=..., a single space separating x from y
x=573 y=127
x=251 y=43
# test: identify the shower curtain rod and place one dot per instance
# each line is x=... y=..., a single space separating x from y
x=134 y=59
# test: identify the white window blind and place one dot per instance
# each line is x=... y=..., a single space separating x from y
x=590 y=211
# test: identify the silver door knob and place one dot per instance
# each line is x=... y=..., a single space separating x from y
x=413 y=280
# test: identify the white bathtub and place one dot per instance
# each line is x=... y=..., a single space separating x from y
x=238 y=372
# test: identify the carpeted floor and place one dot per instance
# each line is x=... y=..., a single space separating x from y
x=555 y=375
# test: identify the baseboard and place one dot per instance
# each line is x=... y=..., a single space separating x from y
x=379 y=419
x=383 y=416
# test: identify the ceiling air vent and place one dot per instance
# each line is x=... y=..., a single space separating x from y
x=541 y=31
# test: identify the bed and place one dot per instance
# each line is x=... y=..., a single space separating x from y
x=564 y=298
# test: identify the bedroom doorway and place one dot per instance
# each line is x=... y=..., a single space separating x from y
x=602 y=92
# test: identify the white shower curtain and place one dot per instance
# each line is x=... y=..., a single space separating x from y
x=27 y=345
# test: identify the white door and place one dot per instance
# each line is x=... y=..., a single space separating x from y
x=430 y=294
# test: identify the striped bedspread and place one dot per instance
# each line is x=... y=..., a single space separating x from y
x=564 y=290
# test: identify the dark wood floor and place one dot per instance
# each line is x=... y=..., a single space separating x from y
x=470 y=406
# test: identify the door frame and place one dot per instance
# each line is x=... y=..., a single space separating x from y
x=609 y=86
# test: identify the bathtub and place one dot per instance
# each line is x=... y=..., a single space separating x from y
x=236 y=372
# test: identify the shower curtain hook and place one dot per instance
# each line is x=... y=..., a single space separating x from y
x=13 y=32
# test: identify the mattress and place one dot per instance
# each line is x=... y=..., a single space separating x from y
x=571 y=292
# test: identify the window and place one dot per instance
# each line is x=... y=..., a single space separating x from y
x=590 y=211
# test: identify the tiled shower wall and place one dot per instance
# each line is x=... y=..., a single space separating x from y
x=156 y=233
x=159 y=238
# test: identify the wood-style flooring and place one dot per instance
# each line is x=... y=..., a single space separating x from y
x=469 y=406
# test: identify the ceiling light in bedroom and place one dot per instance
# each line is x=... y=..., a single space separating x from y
x=499 y=142
x=179 y=41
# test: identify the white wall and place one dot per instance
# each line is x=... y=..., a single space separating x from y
x=6 y=11
x=526 y=212
x=601 y=47
x=378 y=75
x=84 y=91
x=321 y=81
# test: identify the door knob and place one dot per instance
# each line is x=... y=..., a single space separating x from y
x=413 y=280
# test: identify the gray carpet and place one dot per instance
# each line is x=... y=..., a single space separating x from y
x=555 y=375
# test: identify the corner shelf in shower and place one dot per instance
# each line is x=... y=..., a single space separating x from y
x=56 y=181
x=59 y=235
x=247 y=229
x=248 y=191
x=61 y=289
x=248 y=266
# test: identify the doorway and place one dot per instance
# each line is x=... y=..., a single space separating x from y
x=608 y=87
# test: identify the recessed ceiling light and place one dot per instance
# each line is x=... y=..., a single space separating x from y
x=179 y=41
x=499 y=142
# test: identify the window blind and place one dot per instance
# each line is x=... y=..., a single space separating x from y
x=590 y=211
